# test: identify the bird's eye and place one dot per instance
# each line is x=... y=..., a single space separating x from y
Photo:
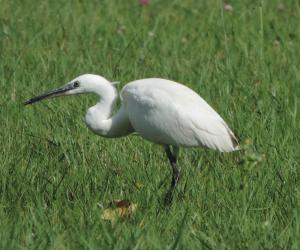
x=76 y=84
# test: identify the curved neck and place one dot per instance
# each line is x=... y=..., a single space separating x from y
x=98 y=118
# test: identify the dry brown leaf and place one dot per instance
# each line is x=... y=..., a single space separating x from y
x=122 y=209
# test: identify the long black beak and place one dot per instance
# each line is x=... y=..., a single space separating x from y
x=53 y=93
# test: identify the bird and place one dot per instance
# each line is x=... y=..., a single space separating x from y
x=161 y=111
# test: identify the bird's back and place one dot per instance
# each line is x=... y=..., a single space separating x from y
x=167 y=112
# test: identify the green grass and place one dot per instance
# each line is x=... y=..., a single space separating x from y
x=56 y=177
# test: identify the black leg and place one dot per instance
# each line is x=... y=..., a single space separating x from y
x=175 y=175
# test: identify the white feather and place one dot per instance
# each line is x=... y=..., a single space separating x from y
x=166 y=112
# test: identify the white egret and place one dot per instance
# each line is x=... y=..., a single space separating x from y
x=159 y=110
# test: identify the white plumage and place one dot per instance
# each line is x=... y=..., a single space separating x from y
x=161 y=111
x=169 y=113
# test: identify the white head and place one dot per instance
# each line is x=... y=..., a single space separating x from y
x=87 y=83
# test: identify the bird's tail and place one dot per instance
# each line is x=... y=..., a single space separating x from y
x=234 y=140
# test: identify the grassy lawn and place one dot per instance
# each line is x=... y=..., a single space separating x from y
x=56 y=177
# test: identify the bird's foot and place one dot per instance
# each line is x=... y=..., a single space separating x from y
x=170 y=193
x=169 y=198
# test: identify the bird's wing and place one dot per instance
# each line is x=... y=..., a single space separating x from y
x=170 y=113
x=209 y=129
